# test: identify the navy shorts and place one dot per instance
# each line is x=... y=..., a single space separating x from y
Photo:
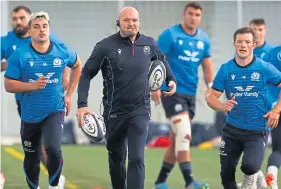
x=178 y=103
x=50 y=128
x=236 y=141
x=18 y=107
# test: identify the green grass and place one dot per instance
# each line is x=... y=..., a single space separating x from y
x=86 y=166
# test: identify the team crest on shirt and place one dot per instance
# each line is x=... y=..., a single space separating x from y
x=279 y=56
x=200 y=45
x=146 y=50
x=57 y=62
x=255 y=76
x=14 y=47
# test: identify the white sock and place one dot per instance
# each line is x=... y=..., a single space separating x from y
x=53 y=187
x=250 y=180
x=273 y=170
x=62 y=177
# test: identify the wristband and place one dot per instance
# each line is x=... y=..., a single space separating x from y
x=275 y=110
x=210 y=84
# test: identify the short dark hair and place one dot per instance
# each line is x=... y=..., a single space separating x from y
x=21 y=7
x=244 y=30
x=194 y=5
x=257 y=21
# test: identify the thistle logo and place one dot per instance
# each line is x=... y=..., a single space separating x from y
x=255 y=76
x=146 y=50
x=57 y=62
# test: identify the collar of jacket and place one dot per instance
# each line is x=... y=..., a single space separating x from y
x=127 y=38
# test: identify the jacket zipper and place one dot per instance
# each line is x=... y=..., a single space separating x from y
x=133 y=48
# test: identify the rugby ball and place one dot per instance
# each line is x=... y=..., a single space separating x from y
x=94 y=127
x=156 y=75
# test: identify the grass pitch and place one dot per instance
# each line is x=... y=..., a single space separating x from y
x=86 y=167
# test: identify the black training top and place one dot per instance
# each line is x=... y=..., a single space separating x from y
x=124 y=69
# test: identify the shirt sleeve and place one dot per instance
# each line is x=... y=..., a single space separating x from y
x=273 y=58
x=90 y=70
x=164 y=41
x=273 y=76
x=14 y=69
x=72 y=57
x=219 y=81
x=207 y=51
x=3 y=55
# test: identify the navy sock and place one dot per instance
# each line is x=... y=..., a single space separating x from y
x=186 y=172
x=164 y=172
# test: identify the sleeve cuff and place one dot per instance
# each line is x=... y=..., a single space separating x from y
x=217 y=89
x=74 y=62
x=170 y=78
x=82 y=105
x=278 y=83
x=6 y=76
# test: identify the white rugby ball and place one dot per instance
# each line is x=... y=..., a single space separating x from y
x=156 y=75
x=94 y=127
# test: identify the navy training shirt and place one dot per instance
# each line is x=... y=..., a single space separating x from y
x=124 y=68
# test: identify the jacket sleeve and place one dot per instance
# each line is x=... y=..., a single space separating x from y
x=158 y=55
x=89 y=71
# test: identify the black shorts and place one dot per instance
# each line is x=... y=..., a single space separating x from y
x=236 y=141
x=19 y=107
x=50 y=128
x=178 y=103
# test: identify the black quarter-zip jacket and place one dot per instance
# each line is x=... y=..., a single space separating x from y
x=124 y=69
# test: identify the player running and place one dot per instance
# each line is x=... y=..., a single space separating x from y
x=249 y=119
x=36 y=71
x=14 y=39
x=186 y=47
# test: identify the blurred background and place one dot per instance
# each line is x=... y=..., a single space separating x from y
x=81 y=24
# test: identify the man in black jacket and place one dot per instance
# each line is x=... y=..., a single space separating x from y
x=124 y=60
